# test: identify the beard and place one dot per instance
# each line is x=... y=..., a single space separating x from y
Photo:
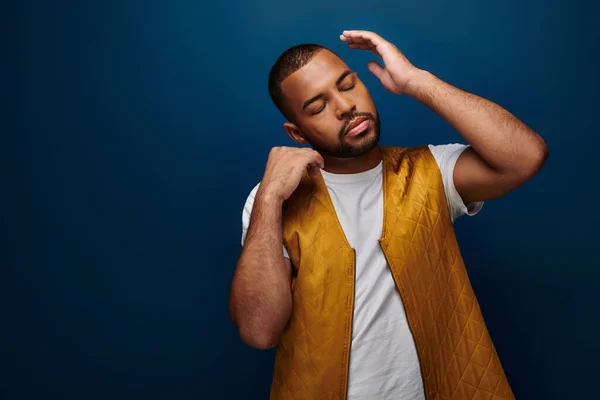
x=345 y=149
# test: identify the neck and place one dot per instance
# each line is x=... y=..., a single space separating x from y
x=353 y=165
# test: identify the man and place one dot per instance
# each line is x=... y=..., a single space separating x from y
x=369 y=298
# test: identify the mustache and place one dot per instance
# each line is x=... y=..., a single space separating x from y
x=353 y=117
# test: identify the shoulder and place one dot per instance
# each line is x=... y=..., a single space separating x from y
x=423 y=156
x=446 y=156
x=446 y=153
x=399 y=154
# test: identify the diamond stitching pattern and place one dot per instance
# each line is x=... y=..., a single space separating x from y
x=457 y=356
x=465 y=316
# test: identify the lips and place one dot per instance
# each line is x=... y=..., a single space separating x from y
x=354 y=124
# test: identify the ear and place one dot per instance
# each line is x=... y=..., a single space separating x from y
x=292 y=130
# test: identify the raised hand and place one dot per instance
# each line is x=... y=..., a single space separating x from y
x=284 y=170
x=397 y=70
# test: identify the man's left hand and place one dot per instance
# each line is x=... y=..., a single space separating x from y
x=397 y=70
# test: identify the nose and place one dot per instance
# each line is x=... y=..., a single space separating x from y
x=345 y=107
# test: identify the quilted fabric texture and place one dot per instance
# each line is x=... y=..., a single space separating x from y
x=457 y=356
x=458 y=359
x=313 y=354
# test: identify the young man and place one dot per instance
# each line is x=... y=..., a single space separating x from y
x=370 y=298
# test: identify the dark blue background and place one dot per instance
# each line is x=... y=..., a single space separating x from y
x=133 y=131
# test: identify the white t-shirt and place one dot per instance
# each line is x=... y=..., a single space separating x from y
x=383 y=356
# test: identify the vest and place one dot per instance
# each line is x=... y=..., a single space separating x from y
x=457 y=357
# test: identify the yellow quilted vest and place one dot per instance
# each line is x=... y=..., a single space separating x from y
x=457 y=357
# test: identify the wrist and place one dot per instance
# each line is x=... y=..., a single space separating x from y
x=268 y=197
x=418 y=83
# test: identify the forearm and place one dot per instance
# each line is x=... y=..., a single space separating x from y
x=260 y=301
x=502 y=141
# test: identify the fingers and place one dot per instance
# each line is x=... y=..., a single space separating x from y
x=313 y=162
x=305 y=157
x=362 y=37
x=299 y=157
x=357 y=40
x=375 y=69
x=366 y=40
x=360 y=46
x=313 y=171
x=316 y=159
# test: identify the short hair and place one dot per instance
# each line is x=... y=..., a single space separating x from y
x=289 y=62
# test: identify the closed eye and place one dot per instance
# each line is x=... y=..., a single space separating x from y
x=344 y=89
x=320 y=108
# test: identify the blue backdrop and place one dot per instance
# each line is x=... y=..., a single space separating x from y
x=133 y=131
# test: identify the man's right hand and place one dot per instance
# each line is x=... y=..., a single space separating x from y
x=260 y=302
x=284 y=170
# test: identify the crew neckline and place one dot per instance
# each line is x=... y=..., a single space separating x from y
x=358 y=176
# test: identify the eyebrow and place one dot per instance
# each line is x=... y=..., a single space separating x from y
x=317 y=97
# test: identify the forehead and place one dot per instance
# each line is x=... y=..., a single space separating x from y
x=320 y=73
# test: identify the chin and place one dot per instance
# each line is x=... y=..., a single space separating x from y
x=366 y=145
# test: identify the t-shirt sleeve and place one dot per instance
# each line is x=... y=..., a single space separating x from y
x=446 y=156
x=247 y=212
